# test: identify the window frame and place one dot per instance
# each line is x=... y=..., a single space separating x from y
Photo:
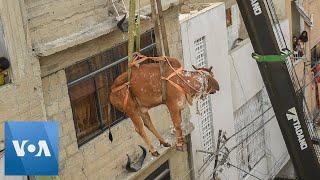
x=252 y=149
x=205 y=105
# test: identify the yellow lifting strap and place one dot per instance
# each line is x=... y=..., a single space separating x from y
x=133 y=34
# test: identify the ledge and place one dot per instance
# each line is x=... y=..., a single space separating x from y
x=82 y=36
x=150 y=160
x=71 y=40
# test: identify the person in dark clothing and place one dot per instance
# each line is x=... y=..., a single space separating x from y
x=294 y=43
x=300 y=47
x=4 y=65
x=304 y=36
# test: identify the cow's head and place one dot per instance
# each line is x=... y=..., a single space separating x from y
x=213 y=85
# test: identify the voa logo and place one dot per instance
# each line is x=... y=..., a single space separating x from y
x=41 y=148
x=256 y=7
x=30 y=152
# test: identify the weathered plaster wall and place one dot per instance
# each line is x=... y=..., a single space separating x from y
x=57 y=25
x=312 y=7
x=22 y=99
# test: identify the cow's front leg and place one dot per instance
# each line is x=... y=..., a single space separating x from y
x=175 y=112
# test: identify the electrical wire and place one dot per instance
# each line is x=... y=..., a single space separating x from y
x=251 y=134
x=244 y=94
x=210 y=159
x=232 y=149
x=255 y=119
x=248 y=173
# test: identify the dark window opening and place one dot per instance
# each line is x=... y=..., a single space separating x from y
x=5 y=67
x=315 y=55
x=161 y=173
x=89 y=83
x=229 y=17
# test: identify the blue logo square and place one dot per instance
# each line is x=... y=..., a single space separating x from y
x=31 y=148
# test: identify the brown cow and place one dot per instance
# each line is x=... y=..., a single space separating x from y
x=145 y=93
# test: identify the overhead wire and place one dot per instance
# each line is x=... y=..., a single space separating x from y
x=248 y=173
x=251 y=134
x=244 y=94
x=234 y=147
x=206 y=164
x=255 y=119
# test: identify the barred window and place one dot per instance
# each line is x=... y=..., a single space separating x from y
x=89 y=83
x=205 y=106
x=252 y=149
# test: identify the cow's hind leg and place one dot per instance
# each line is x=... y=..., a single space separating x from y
x=138 y=124
x=148 y=123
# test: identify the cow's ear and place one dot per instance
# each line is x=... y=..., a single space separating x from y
x=210 y=69
x=194 y=67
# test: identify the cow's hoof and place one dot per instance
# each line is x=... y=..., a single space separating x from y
x=165 y=144
x=155 y=154
x=179 y=147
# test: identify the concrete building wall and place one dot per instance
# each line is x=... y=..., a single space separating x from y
x=297 y=25
x=234 y=28
x=22 y=99
x=57 y=25
x=193 y=27
x=312 y=7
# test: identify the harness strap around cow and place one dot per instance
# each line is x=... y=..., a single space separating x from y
x=176 y=71
x=139 y=58
x=179 y=75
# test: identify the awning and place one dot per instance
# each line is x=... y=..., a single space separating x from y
x=304 y=14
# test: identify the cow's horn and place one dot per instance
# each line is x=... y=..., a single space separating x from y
x=128 y=166
x=142 y=157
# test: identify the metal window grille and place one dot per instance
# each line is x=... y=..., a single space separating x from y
x=252 y=150
x=205 y=106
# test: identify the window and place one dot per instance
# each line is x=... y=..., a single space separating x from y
x=315 y=55
x=252 y=148
x=162 y=173
x=5 y=64
x=89 y=83
x=205 y=106
x=229 y=17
